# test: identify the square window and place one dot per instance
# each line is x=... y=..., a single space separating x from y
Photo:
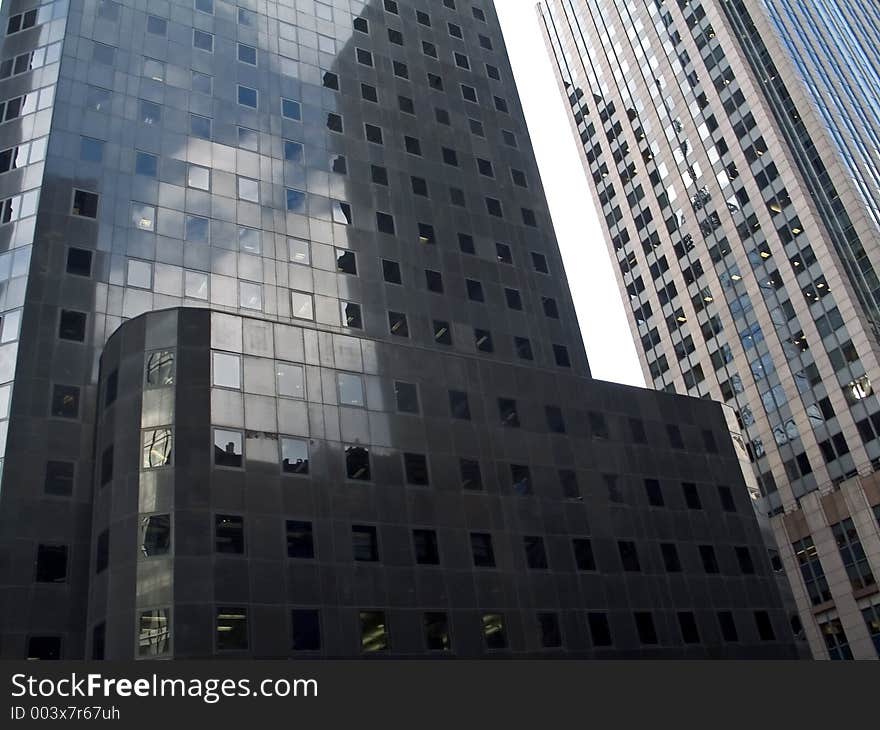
x=459 y=405
x=419 y=186
x=247 y=54
x=200 y=126
x=429 y=49
x=150 y=112
x=195 y=285
x=226 y=371
x=228 y=448
x=231 y=629
x=483 y=340
x=204 y=6
x=400 y=69
x=202 y=83
x=79 y=262
x=670 y=557
x=247 y=96
x=369 y=93
x=426 y=548
x=301 y=305
x=198 y=177
x=145 y=164
x=519 y=178
x=351 y=390
x=352 y=315
x=51 y=564
x=482 y=551
x=248 y=189
x=197 y=229
x=361 y=25
x=493 y=631
x=469 y=93
x=583 y=554
x=346 y=262
x=290 y=380
x=365 y=543
x=406 y=396
x=65 y=401
x=412 y=145
x=291 y=109
x=708 y=558
x=305 y=629
x=157 y=26
x=654 y=492
x=203 y=41
x=293 y=151
x=391 y=272
x=374 y=631
x=550 y=307
x=442 y=332
x=397 y=324
x=72 y=325
x=406 y=105
x=385 y=223
x=426 y=234
x=474 y=290
x=523 y=347
x=357 y=463
x=103 y=54
x=436 y=631
x=493 y=207
x=466 y=243
x=560 y=355
x=600 y=630
x=300 y=540
x=364 y=57
x=250 y=295
x=379 y=174
x=85 y=204
x=492 y=72
x=555 y=420
x=688 y=624
x=471 y=475
x=691 y=495
x=373 y=133
x=434 y=281
x=59 y=478
x=645 y=627
x=536 y=554
x=143 y=217
x=415 y=467
x=229 y=534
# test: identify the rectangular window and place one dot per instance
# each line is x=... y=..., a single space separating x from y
x=481 y=550
x=300 y=541
x=51 y=566
x=426 y=549
x=228 y=448
x=154 y=632
x=374 y=631
x=357 y=463
x=436 y=631
x=294 y=456
x=232 y=629
x=493 y=631
x=229 y=534
x=365 y=543
x=305 y=629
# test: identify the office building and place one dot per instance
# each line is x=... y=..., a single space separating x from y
x=294 y=369
x=743 y=235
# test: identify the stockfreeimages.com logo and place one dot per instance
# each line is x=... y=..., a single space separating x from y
x=208 y=690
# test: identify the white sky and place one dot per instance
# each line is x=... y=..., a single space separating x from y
x=598 y=303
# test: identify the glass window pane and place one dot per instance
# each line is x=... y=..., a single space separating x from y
x=155 y=535
x=351 y=390
x=227 y=448
x=227 y=370
x=290 y=380
x=294 y=456
x=157 y=448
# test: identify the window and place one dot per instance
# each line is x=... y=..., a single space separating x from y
x=351 y=390
x=247 y=54
x=539 y=263
x=629 y=556
x=364 y=57
x=835 y=640
x=145 y=164
x=79 y=262
x=302 y=306
x=291 y=109
x=305 y=629
x=228 y=448
x=691 y=495
x=156 y=448
x=59 y=478
x=202 y=83
x=654 y=492
x=744 y=557
x=645 y=627
x=385 y=223
x=436 y=631
x=150 y=112
x=520 y=479
x=454 y=30
x=379 y=175
x=442 y=332
x=551 y=634
x=365 y=543
x=853 y=554
x=466 y=243
x=51 y=564
x=471 y=477
x=406 y=396
x=670 y=557
x=204 y=6
x=569 y=484
x=300 y=541
x=710 y=562
x=391 y=272
x=583 y=554
x=725 y=494
x=415 y=467
x=155 y=535
x=247 y=96
x=483 y=340
x=72 y=326
x=290 y=380
x=85 y=204
x=687 y=622
x=294 y=456
x=425 y=546
x=226 y=370
x=229 y=534
x=513 y=299
x=198 y=177
x=91 y=150
x=65 y=401
x=459 y=406
x=346 y=262
x=508 y=413
x=503 y=254
x=374 y=631
x=536 y=554
x=373 y=133
x=352 y=316
x=481 y=550
x=154 y=632
x=107 y=465
x=197 y=229
x=361 y=25
x=203 y=41
x=600 y=630
x=397 y=324
x=560 y=355
x=357 y=463
x=765 y=626
x=493 y=631
x=232 y=629
x=412 y=145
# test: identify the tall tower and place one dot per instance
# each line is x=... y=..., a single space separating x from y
x=294 y=368
x=746 y=252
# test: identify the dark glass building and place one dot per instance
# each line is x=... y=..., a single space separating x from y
x=291 y=367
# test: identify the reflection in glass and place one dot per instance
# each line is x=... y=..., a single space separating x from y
x=351 y=390
x=374 y=635
x=232 y=630
x=436 y=631
x=195 y=285
x=357 y=463
x=227 y=448
x=290 y=380
x=250 y=295
x=155 y=535
x=301 y=305
x=229 y=534
x=493 y=631
x=197 y=229
x=160 y=368
x=157 y=448
x=298 y=251
x=154 y=634
x=294 y=456
x=249 y=240
x=143 y=216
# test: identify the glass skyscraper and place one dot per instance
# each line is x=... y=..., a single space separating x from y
x=732 y=167
x=290 y=365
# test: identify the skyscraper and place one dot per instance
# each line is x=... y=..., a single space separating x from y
x=737 y=191
x=294 y=368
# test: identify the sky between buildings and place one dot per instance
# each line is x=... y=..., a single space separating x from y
x=599 y=306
